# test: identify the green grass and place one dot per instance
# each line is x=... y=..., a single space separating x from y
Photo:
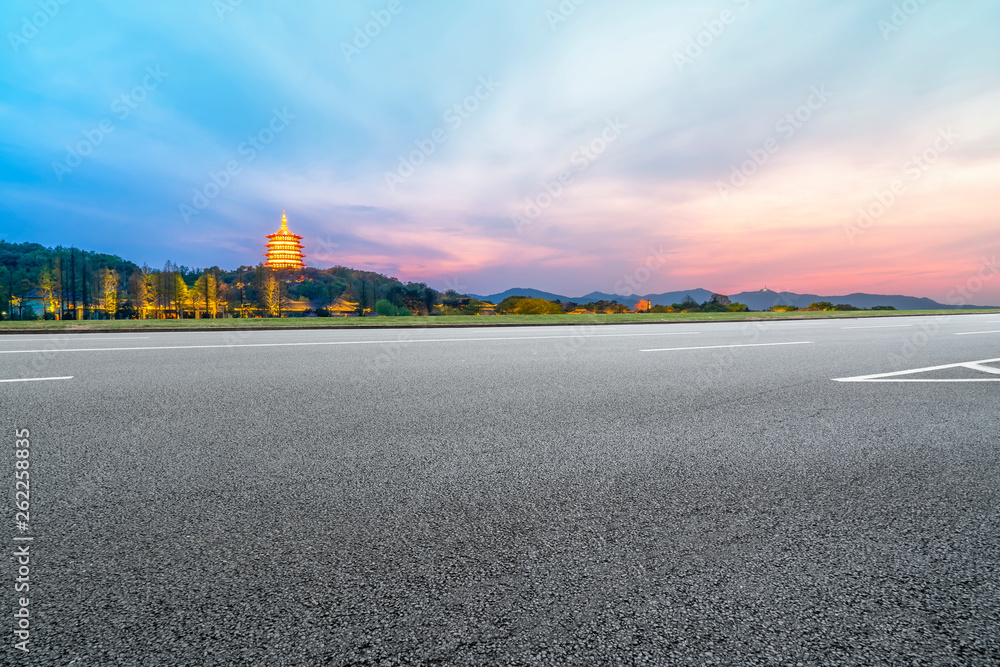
x=444 y=321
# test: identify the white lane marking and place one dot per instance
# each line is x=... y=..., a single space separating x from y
x=342 y=342
x=67 y=377
x=42 y=337
x=717 y=347
x=897 y=381
x=976 y=333
x=789 y=324
x=985 y=369
x=891 y=377
x=882 y=326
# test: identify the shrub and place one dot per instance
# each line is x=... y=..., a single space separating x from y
x=386 y=308
x=521 y=305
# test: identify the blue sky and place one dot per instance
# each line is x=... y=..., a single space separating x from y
x=649 y=111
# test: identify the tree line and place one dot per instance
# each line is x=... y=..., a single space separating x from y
x=68 y=283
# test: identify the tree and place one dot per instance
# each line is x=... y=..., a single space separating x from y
x=720 y=299
x=821 y=305
x=48 y=286
x=182 y=295
x=688 y=305
x=137 y=291
x=521 y=305
x=142 y=289
x=109 y=289
x=270 y=294
x=386 y=308
x=206 y=289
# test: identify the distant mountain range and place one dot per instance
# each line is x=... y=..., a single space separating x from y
x=762 y=300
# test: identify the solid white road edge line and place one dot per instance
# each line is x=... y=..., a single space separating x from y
x=45 y=337
x=717 y=347
x=976 y=333
x=67 y=377
x=341 y=342
x=883 y=326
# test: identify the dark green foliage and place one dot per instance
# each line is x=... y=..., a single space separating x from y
x=688 y=304
x=77 y=274
x=522 y=305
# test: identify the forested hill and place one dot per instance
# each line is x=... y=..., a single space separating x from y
x=71 y=279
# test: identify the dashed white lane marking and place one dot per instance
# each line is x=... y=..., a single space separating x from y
x=67 y=377
x=976 y=333
x=881 y=326
x=895 y=376
x=717 y=347
x=341 y=342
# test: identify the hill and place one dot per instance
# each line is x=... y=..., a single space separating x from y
x=761 y=300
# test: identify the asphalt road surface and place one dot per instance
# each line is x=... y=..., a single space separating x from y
x=660 y=494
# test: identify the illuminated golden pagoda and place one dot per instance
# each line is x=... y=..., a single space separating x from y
x=283 y=248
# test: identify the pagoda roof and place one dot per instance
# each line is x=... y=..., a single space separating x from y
x=283 y=231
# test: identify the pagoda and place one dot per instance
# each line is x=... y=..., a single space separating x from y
x=283 y=248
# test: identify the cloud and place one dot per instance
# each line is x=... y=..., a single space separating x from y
x=688 y=127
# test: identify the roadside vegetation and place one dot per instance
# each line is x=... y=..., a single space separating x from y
x=448 y=321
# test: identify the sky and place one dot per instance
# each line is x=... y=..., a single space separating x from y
x=572 y=146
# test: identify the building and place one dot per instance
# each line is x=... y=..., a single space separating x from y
x=343 y=308
x=283 y=248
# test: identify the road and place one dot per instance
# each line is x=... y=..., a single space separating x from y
x=662 y=494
